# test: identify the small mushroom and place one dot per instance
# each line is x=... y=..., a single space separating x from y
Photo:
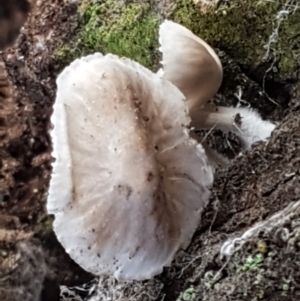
x=193 y=66
x=128 y=183
x=189 y=63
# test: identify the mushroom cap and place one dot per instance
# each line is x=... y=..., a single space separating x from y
x=189 y=63
x=128 y=184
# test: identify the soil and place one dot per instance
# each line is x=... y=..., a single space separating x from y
x=256 y=185
x=27 y=95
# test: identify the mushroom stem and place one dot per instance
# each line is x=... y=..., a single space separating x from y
x=245 y=123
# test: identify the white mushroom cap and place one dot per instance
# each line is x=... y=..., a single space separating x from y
x=189 y=63
x=128 y=184
x=193 y=66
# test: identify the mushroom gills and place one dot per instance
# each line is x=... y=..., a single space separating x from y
x=128 y=183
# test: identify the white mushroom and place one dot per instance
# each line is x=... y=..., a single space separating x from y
x=190 y=64
x=193 y=66
x=13 y=15
x=128 y=183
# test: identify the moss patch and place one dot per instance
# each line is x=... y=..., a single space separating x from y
x=242 y=28
x=128 y=30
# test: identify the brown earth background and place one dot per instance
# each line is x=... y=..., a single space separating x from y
x=256 y=185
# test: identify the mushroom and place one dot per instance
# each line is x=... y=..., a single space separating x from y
x=193 y=66
x=189 y=63
x=128 y=183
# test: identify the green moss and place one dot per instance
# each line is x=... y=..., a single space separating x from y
x=128 y=30
x=242 y=28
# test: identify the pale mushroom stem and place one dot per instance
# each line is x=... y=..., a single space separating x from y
x=245 y=123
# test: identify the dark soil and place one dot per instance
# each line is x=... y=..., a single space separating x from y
x=255 y=185
x=26 y=98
